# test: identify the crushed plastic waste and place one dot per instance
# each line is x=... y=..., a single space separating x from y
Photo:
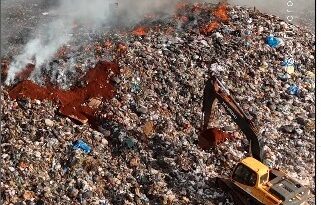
x=273 y=41
x=129 y=143
x=135 y=88
x=79 y=144
x=293 y=90
x=284 y=76
x=288 y=62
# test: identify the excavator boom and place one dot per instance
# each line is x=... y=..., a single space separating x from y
x=214 y=89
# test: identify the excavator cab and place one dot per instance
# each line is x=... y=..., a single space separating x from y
x=251 y=172
x=244 y=175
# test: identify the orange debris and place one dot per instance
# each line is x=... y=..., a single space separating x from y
x=209 y=28
x=121 y=48
x=139 y=31
x=23 y=165
x=221 y=12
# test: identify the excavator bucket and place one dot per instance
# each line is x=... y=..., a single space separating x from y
x=212 y=137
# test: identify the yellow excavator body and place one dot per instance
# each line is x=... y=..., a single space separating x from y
x=260 y=188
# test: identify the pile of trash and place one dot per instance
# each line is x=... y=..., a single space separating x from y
x=143 y=147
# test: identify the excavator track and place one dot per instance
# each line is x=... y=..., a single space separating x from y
x=239 y=196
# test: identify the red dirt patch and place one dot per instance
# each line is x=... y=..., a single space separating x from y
x=74 y=103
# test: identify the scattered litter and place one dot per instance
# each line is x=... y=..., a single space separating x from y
x=264 y=66
x=284 y=76
x=49 y=122
x=148 y=128
x=123 y=165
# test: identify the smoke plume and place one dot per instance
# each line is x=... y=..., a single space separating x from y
x=95 y=14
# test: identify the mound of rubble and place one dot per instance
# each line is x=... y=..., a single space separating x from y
x=143 y=149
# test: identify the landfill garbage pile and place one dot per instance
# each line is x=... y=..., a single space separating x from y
x=141 y=148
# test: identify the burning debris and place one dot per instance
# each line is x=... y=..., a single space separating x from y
x=140 y=31
x=221 y=12
x=209 y=28
x=146 y=110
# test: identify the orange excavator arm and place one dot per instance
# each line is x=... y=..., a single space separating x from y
x=214 y=89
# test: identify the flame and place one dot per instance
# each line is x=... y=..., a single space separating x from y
x=139 y=31
x=209 y=28
x=221 y=12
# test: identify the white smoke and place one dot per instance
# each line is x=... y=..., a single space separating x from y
x=39 y=50
x=93 y=14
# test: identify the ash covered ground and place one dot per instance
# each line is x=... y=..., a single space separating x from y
x=143 y=139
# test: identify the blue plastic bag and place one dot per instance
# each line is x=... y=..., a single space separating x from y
x=293 y=90
x=79 y=144
x=273 y=41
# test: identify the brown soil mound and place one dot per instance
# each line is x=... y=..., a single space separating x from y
x=79 y=103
